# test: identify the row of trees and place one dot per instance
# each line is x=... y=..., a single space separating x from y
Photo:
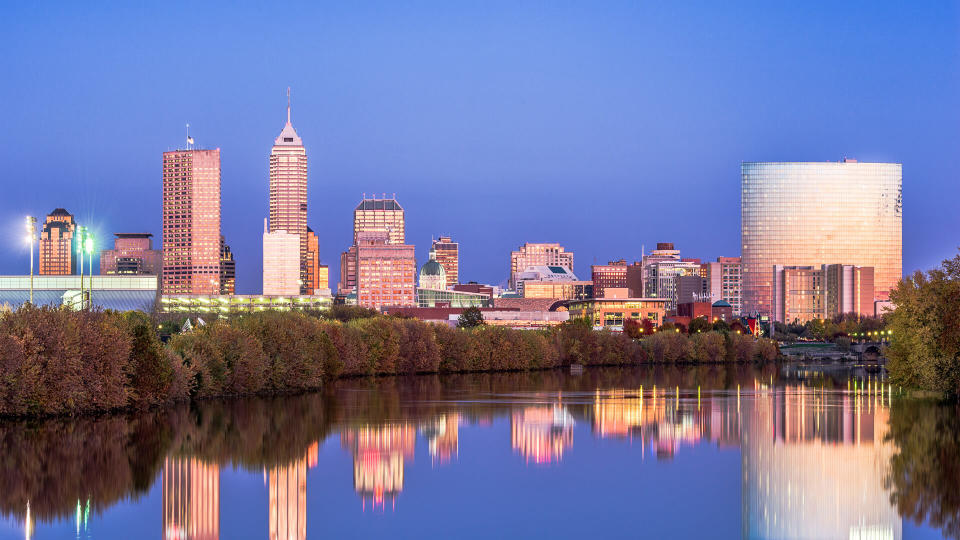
x=56 y=361
x=925 y=349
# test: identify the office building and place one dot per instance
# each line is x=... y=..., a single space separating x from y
x=661 y=269
x=57 y=244
x=802 y=293
x=849 y=289
x=132 y=254
x=379 y=215
x=447 y=253
x=317 y=274
x=288 y=192
x=191 y=222
x=322 y=281
x=810 y=214
x=612 y=274
x=228 y=269
x=386 y=273
x=529 y=255
x=692 y=288
x=348 y=271
x=725 y=281
x=281 y=268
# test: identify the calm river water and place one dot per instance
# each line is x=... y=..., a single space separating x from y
x=706 y=452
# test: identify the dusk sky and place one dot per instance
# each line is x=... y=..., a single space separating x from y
x=602 y=126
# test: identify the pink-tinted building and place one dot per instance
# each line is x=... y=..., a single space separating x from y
x=132 y=254
x=56 y=244
x=530 y=254
x=386 y=273
x=612 y=274
x=288 y=193
x=191 y=222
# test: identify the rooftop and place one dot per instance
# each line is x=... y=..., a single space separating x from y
x=379 y=204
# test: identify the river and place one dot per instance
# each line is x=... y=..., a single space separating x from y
x=654 y=452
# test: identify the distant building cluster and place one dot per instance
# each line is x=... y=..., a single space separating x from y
x=817 y=240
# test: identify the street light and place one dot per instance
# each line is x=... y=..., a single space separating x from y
x=31 y=224
x=88 y=247
x=81 y=230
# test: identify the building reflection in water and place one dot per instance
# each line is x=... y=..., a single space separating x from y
x=814 y=464
x=287 y=495
x=663 y=419
x=379 y=453
x=541 y=434
x=191 y=499
x=442 y=434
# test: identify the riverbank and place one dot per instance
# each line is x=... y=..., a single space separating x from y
x=61 y=362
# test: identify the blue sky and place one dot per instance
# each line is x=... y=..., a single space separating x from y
x=604 y=126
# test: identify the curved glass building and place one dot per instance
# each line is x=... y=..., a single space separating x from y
x=810 y=214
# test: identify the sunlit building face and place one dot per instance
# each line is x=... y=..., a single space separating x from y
x=809 y=214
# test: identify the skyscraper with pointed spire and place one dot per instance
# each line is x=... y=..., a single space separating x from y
x=288 y=190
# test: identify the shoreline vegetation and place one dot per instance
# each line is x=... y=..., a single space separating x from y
x=925 y=351
x=60 y=362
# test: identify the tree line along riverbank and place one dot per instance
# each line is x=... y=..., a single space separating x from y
x=58 y=361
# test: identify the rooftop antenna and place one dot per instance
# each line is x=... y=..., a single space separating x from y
x=288 y=104
x=189 y=138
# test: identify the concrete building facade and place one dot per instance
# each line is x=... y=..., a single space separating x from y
x=281 y=267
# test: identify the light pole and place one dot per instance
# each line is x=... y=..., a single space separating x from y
x=80 y=233
x=88 y=246
x=31 y=224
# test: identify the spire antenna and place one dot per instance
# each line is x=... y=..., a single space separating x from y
x=288 y=104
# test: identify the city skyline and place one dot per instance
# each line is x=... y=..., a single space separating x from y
x=362 y=139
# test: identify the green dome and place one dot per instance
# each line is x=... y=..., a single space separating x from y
x=721 y=303
x=432 y=268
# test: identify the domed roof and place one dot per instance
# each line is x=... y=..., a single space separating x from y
x=721 y=303
x=432 y=268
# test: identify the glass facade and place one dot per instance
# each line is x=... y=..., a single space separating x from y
x=810 y=214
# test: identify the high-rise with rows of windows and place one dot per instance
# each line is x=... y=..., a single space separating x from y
x=56 y=244
x=288 y=194
x=532 y=254
x=191 y=222
x=811 y=214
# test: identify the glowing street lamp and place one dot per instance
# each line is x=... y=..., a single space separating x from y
x=81 y=233
x=31 y=225
x=88 y=243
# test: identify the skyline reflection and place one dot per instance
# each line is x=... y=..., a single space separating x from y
x=814 y=454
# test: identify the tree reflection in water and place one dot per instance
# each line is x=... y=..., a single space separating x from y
x=101 y=461
x=925 y=470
